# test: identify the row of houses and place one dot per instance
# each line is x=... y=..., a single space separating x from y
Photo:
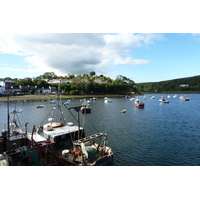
x=9 y=86
x=76 y=80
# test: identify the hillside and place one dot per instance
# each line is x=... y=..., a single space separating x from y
x=189 y=84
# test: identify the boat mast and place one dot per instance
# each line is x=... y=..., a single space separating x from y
x=8 y=116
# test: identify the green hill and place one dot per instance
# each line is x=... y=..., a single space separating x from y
x=189 y=84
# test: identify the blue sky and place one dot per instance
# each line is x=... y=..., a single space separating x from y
x=144 y=57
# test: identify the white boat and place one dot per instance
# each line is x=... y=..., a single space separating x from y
x=123 y=111
x=137 y=101
x=182 y=98
x=163 y=100
x=107 y=100
x=40 y=106
x=132 y=99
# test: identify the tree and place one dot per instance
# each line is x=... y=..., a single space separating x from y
x=92 y=73
x=49 y=75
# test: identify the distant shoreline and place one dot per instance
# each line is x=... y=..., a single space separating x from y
x=43 y=97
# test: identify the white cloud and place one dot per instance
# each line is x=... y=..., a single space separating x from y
x=76 y=53
x=129 y=60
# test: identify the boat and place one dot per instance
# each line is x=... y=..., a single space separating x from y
x=152 y=97
x=58 y=130
x=123 y=111
x=18 y=147
x=67 y=102
x=40 y=106
x=139 y=104
x=86 y=109
x=182 y=98
x=163 y=100
x=107 y=100
x=71 y=145
x=53 y=102
x=90 y=151
x=23 y=150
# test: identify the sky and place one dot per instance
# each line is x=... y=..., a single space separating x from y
x=142 y=57
x=146 y=41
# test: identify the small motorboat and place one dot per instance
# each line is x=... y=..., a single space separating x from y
x=53 y=102
x=139 y=104
x=123 y=111
x=86 y=109
x=67 y=102
x=40 y=106
x=163 y=100
x=182 y=98
x=107 y=100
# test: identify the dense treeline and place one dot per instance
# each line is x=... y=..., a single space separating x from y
x=182 y=84
x=112 y=87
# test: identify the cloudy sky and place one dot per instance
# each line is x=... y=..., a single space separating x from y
x=141 y=57
x=141 y=41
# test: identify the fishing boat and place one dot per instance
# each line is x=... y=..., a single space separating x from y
x=89 y=151
x=163 y=100
x=18 y=147
x=71 y=145
x=23 y=150
x=57 y=129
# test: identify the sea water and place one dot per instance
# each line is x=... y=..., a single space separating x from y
x=156 y=135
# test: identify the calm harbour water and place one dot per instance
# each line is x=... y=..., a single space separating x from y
x=158 y=135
